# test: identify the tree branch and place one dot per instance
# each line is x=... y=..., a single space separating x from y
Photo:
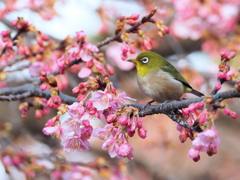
x=175 y=105
x=117 y=37
x=30 y=90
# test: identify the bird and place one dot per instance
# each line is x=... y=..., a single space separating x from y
x=159 y=79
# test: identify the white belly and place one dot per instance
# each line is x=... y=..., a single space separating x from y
x=161 y=86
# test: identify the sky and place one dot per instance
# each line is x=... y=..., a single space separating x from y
x=75 y=15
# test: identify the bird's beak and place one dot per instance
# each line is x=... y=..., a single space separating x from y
x=132 y=60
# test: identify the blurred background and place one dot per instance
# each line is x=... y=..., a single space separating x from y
x=199 y=31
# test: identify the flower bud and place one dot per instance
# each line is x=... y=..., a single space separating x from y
x=142 y=133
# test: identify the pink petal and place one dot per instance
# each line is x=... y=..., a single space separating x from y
x=49 y=130
x=84 y=72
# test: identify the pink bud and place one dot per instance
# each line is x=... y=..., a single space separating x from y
x=134 y=16
x=86 y=123
x=5 y=33
x=81 y=35
x=179 y=128
x=142 y=133
x=42 y=78
x=211 y=151
x=16 y=160
x=39 y=40
x=111 y=118
x=200 y=104
x=222 y=75
x=147 y=43
x=218 y=85
x=231 y=55
x=234 y=115
x=25 y=23
x=110 y=70
x=203 y=118
x=228 y=78
x=223 y=55
x=56 y=175
x=139 y=124
x=191 y=107
x=44 y=37
x=43 y=86
x=89 y=104
x=121 y=18
x=166 y=30
x=75 y=90
x=185 y=111
x=183 y=137
x=194 y=154
x=14 y=22
x=125 y=48
x=19 y=26
x=5 y=39
x=226 y=111
x=92 y=111
x=39 y=114
x=82 y=85
x=81 y=97
x=123 y=119
x=9 y=43
x=131 y=22
x=130 y=133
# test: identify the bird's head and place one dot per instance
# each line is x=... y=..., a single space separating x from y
x=147 y=61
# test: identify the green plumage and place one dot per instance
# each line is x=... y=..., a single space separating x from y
x=159 y=79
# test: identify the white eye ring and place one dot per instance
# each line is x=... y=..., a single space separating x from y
x=145 y=60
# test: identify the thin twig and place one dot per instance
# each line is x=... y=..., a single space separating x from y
x=117 y=37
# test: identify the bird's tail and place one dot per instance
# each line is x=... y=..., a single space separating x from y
x=197 y=93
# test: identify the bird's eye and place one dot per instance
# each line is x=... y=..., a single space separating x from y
x=144 y=60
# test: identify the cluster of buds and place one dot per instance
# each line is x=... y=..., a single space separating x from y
x=162 y=29
x=92 y=84
x=41 y=107
x=146 y=42
x=127 y=46
x=224 y=68
x=10 y=158
x=23 y=49
x=230 y=113
x=131 y=20
x=40 y=37
x=104 y=104
x=86 y=52
x=23 y=108
x=20 y=24
x=39 y=104
x=205 y=141
x=50 y=82
x=6 y=38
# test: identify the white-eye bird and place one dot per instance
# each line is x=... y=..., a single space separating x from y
x=159 y=79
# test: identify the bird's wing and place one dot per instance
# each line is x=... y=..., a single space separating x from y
x=171 y=70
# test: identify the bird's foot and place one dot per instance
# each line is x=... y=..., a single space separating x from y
x=147 y=105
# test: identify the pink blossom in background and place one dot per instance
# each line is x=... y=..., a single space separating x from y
x=62 y=81
x=195 y=18
x=114 y=55
x=84 y=72
x=36 y=68
x=86 y=52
